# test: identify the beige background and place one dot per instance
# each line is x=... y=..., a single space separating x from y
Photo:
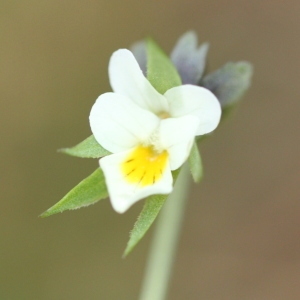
x=241 y=235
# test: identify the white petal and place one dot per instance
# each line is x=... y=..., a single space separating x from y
x=126 y=78
x=118 y=124
x=177 y=136
x=196 y=101
x=123 y=194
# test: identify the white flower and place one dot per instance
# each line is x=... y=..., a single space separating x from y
x=148 y=133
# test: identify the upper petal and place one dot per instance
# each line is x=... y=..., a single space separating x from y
x=139 y=51
x=126 y=78
x=189 y=60
x=118 y=124
x=123 y=194
x=177 y=136
x=196 y=101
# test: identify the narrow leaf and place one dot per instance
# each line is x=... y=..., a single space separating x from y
x=195 y=163
x=146 y=218
x=89 y=148
x=160 y=71
x=87 y=192
x=149 y=213
x=230 y=82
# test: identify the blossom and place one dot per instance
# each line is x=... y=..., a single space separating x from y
x=148 y=134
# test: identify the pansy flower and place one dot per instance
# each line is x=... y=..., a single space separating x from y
x=148 y=134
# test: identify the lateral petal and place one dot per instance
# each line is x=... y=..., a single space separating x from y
x=126 y=78
x=124 y=194
x=118 y=124
x=177 y=136
x=196 y=101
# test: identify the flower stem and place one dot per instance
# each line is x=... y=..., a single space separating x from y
x=163 y=248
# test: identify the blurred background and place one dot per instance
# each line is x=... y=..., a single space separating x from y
x=241 y=236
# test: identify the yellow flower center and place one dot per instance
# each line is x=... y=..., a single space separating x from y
x=164 y=115
x=144 y=165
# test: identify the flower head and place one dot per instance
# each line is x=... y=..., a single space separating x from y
x=149 y=134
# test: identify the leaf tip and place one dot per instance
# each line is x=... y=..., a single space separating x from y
x=45 y=214
x=67 y=151
x=63 y=150
x=55 y=209
x=127 y=251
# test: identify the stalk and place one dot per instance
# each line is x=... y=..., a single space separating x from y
x=163 y=249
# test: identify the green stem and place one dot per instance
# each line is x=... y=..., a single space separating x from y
x=163 y=248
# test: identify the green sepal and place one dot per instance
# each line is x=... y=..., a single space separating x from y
x=161 y=72
x=89 y=148
x=152 y=207
x=87 y=192
x=195 y=163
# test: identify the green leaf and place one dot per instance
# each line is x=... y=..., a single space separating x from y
x=149 y=213
x=160 y=71
x=89 y=148
x=87 y=192
x=147 y=216
x=230 y=82
x=195 y=163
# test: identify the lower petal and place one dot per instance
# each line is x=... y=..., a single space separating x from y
x=133 y=175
